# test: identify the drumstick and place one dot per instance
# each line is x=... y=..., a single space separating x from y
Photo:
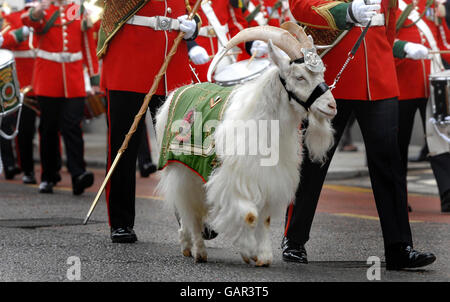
x=5 y=29
x=251 y=59
x=432 y=52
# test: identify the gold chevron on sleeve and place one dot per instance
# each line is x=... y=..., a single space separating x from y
x=324 y=11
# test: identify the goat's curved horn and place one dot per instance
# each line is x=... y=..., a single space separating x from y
x=298 y=32
x=280 y=37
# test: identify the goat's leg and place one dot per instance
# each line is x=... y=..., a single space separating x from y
x=199 y=249
x=185 y=240
x=264 y=251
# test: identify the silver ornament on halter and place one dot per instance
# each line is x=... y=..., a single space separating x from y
x=312 y=60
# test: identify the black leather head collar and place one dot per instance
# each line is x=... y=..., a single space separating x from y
x=316 y=93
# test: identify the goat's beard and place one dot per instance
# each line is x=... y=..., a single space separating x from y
x=319 y=138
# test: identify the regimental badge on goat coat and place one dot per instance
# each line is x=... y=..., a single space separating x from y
x=193 y=115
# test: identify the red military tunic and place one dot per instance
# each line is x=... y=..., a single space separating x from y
x=413 y=74
x=62 y=79
x=371 y=74
x=23 y=54
x=135 y=73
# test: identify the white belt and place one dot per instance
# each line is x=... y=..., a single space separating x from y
x=19 y=54
x=157 y=23
x=207 y=31
x=377 y=20
x=60 y=57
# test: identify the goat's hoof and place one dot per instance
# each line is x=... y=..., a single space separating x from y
x=246 y=259
x=201 y=258
x=263 y=264
x=187 y=253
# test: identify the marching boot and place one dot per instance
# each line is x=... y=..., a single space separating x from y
x=82 y=182
x=28 y=178
x=147 y=169
x=123 y=235
x=401 y=256
x=293 y=251
x=46 y=187
x=11 y=172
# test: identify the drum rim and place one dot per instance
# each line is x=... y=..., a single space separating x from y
x=243 y=79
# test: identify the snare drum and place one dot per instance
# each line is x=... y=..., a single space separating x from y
x=10 y=99
x=241 y=72
x=94 y=106
x=440 y=94
x=10 y=96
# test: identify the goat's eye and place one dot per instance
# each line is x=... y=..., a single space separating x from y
x=300 y=79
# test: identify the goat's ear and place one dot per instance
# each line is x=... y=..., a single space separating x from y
x=280 y=60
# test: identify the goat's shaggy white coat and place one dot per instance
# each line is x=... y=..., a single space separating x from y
x=241 y=195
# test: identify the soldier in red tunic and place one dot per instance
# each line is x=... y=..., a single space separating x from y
x=232 y=20
x=368 y=88
x=413 y=64
x=17 y=40
x=134 y=39
x=65 y=47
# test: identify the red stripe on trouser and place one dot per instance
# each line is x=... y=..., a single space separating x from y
x=108 y=185
x=290 y=210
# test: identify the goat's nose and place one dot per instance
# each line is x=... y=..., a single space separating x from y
x=332 y=105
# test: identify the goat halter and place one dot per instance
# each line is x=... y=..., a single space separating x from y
x=315 y=94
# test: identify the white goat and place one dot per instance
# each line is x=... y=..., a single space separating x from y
x=241 y=195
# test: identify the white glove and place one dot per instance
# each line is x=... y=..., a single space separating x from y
x=260 y=47
x=415 y=51
x=187 y=26
x=1 y=40
x=198 y=55
x=362 y=12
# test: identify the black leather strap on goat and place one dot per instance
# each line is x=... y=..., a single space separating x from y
x=316 y=93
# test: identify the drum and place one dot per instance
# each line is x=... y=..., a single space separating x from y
x=241 y=72
x=10 y=96
x=94 y=106
x=440 y=96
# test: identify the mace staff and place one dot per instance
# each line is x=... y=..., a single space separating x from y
x=142 y=111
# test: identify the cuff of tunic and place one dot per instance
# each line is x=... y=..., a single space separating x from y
x=399 y=49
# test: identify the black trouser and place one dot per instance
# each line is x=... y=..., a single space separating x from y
x=121 y=189
x=8 y=125
x=60 y=115
x=440 y=164
x=378 y=121
x=144 y=151
x=24 y=140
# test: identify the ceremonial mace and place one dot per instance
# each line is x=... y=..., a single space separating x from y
x=142 y=111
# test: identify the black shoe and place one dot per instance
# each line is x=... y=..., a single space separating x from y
x=11 y=171
x=403 y=256
x=293 y=252
x=82 y=182
x=208 y=233
x=46 y=187
x=123 y=235
x=445 y=202
x=56 y=178
x=147 y=169
x=28 y=178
